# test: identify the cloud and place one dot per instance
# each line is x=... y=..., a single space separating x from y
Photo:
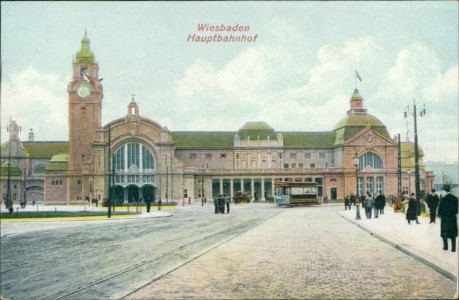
x=444 y=86
x=36 y=101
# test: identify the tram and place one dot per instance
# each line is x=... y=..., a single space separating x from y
x=295 y=193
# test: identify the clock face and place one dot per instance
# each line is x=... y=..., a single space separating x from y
x=83 y=91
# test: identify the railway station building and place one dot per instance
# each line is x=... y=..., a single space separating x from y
x=142 y=159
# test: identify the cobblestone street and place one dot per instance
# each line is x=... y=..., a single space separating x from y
x=256 y=251
x=303 y=253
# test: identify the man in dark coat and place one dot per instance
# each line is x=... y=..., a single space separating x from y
x=221 y=204
x=411 y=211
x=368 y=203
x=227 y=200
x=380 y=202
x=447 y=212
x=148 y=202
x=432 y=201
x=347 y=203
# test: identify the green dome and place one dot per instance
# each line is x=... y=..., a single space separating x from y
x=58 y=162
x=60 y=157
x=255 y=130
x=359 y=120
x=13 y=168
x=407 y=156
x=350 y=125
x=85 y=54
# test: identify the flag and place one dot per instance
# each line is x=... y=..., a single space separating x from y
x=358 y=75
x=87 y=77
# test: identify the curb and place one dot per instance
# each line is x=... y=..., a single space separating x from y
x=88 y=218
x=404 y=249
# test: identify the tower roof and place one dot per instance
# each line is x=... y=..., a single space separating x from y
x=12 y=167
x=58 y=163
x=357 y=119
x=257 y=130
x=85 y=54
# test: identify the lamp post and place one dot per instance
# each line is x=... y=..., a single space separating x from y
x=110 y=162
x=357 y=209
x=90 y=191
x=202 y=186
x=9 y=202
x=409 y=182
x=416 y=149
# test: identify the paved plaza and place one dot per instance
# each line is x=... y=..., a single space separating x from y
x=257 y=251
x=303 y=253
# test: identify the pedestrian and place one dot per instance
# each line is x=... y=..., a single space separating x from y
x=411 y=212
x=447 y=212
x=228 y=200
x=368 y=203
x=347 y=203
x=432 y=202
x=221 y=202
x=189 y=200
x=377 y=205
x=380 y=201
x=215 y=204
x=148 y=202
x=353 y=199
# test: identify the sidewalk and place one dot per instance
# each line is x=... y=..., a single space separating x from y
x=76 y=208
x=421 y=241
x=23 y=225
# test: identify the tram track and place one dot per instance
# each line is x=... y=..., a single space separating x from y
x=164 y=256
x=78 y=252
x=113 y=262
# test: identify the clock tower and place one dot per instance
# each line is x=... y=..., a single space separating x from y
x=85 y=112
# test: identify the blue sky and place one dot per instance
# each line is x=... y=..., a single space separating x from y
x=297 y=76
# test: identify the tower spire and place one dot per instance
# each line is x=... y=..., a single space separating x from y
x=85 y=53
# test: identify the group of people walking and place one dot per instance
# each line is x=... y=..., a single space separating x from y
x=377 y=204
x=447 y=210
x=220 y=203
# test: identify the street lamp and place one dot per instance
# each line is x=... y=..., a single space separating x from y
x=416 y=149
x=357 y=209
x=202 y=186
x=9 y=202
x=90 y=191
x=409 y=182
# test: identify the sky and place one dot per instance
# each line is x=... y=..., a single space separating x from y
x=298 y=74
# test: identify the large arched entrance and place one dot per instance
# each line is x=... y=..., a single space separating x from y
x=148 y=193
x=118 y=195
x=134 y=172
x=133 y=194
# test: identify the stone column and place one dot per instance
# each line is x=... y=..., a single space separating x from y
x=262 y=189
x=231 y=188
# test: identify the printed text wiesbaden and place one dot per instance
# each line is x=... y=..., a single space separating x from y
x=222 y=37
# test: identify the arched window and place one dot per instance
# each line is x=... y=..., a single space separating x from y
x=370 y=160
x=39 y=169
x=133 y=158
